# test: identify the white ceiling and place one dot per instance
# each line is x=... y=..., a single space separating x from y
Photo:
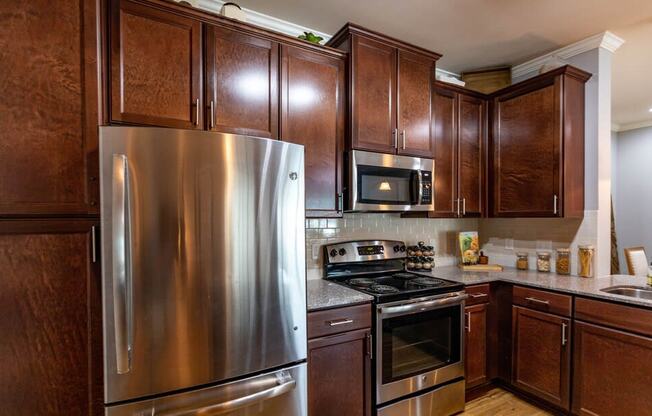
x=474 y=34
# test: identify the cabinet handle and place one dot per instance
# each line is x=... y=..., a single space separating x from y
x=535 y=300
x=478 y=295
x=370 y=346
x=468 y=322
x=93 y=244
x=197 y=112
x=457 y=201
x=463 y=207
x=340 y=202
x=564 y=340
x=403 y=136
x=338 y=322
x=395 y=137
x=554 y=201
x=212 y=118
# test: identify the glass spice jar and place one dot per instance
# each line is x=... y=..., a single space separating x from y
x=585 y=259
x=522 y=261
x=543 y=261
x=563 y=261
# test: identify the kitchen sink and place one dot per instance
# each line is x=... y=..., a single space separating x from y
x=641 y=292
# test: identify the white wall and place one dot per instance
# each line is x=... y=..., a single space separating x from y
x=633 y=191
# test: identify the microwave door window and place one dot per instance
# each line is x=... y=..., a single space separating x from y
x=378 y=185
x=415 y=344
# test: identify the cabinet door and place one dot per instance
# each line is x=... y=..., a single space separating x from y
x=475 y=361
x=49 y=108
x=51 y=326
x=612 y=372
x=339 y=375
x=312 y=114
x=373 y=95
x=415 y=77
x=472 y=128
x=541 y=355
x=445 y=138
x=242 y=83
x=526 y=152
x=155 y=67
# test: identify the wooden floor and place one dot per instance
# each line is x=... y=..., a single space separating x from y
x=498 y=402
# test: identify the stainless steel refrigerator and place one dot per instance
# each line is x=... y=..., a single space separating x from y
x=204 y=296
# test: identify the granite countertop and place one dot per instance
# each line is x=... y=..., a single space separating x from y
x=323 y=294
x=570 y=284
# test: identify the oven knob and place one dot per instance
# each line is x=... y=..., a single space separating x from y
x=396 y=248
x=402 y=249
x=342 y=252
x=333 y=253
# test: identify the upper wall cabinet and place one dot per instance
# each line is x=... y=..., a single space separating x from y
x=537 y=151
x=459 y=133
x=241 y=83
x=49 y=108
x=312 y=114
x=155 y=67
x=389 y=93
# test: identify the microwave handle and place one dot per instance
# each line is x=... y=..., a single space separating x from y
x=419 y=187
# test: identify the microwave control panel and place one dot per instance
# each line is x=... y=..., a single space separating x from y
x=426 y=187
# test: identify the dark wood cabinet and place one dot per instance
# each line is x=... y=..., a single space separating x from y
x=415 y=76
x=538 y=146
x=51 y=326
x=339 y=362
x=612 y=372
x=459 y=133
x=541 y=354
x=389 y=93
x=49 y=108
x=241 y=83
x=155 y=62
x=475 y=361
x=313 y=114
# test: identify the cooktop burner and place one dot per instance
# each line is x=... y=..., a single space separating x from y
x=383 y=289
x=360 y=282
x=404 y=276
x=427 y=281
x=391 y=286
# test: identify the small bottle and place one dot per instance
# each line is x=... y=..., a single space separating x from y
x=585 y=256
x=543 y=261
x=563 y=261
x=483 y=259
x=522 y=261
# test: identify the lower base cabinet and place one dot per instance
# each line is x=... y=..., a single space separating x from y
x=51 y=324
x=612 y=372
x=475 y=357
x=541 y=355
x=339 y=364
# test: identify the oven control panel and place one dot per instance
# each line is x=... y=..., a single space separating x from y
x=359 y=251
x=426 y=188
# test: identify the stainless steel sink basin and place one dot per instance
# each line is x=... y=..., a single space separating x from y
x=641 y=292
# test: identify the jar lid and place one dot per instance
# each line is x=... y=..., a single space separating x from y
x=522 y=254
x=587 y=247
x=563 y=250
x=543 y=253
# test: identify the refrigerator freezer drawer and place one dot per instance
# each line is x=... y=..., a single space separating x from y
x=282 y=392
x=444 y=401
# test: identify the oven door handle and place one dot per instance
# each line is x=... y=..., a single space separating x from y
x=421 y=306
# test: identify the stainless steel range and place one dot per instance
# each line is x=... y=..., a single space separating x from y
x=418 y=328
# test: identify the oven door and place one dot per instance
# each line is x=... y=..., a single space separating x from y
x=419 y=344
x=381 y=182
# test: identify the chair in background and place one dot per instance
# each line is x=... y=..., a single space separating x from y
x=636 y=261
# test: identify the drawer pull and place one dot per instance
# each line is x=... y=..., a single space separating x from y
x=478 y=295
x=338 y=322
x=539 y=301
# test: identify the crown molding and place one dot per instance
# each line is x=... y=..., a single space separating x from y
x=619 y=128
x=440 y=71
x=263 y=20
x=605 y=40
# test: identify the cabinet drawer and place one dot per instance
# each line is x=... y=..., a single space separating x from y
x=334 y=321
x=628 y=318
x=542 y=300
x=477 y=294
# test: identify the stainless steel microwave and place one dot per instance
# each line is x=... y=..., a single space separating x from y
x=383 y=182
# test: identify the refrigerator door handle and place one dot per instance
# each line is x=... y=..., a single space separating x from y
x=121 y=265
x=284 y=386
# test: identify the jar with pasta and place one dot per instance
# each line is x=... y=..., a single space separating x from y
x=563 y=261
x=543 y=261
x=522 y=261
x=585 y=259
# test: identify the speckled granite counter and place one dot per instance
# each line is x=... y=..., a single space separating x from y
x=323 y=294
x=570 y=284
